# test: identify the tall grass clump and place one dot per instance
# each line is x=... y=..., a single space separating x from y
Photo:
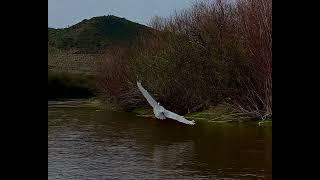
x=213 y=52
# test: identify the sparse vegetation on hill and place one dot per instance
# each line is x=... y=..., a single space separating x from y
x=74 y=53
x=96 y=34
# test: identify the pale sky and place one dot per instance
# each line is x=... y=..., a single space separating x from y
x=62 y=13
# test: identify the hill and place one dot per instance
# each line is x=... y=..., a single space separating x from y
x=74 y=53
x=95 y=34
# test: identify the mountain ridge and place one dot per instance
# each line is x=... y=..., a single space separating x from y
x=96 y=33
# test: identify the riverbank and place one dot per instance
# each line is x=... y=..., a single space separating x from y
x=62 y=85
x=218 y=114
x=91 y=102
x=215 y=114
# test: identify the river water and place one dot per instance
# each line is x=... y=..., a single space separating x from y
x=89 y=143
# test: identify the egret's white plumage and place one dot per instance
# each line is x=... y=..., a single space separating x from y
x=159 y=111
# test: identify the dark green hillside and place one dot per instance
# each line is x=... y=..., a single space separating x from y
x=96 y=33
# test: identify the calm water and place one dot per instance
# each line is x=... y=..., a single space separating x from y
x=86 y=143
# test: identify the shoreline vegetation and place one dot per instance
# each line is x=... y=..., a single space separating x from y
x=211 y=62
x=63 y=85
x=214 y=53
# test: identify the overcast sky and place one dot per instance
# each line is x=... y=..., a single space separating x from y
x=62 y=13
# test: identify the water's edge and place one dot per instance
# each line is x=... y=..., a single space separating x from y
x=218 y=114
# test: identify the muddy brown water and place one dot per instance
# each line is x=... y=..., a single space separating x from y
x=88 y=143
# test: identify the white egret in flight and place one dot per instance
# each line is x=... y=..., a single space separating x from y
x=159 y=111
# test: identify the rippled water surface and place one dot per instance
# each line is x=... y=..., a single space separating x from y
x=86 y=143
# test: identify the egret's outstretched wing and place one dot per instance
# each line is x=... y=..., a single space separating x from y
x=145 y=93
x=177 y=117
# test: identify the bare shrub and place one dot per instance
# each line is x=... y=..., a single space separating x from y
x=214 y=51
